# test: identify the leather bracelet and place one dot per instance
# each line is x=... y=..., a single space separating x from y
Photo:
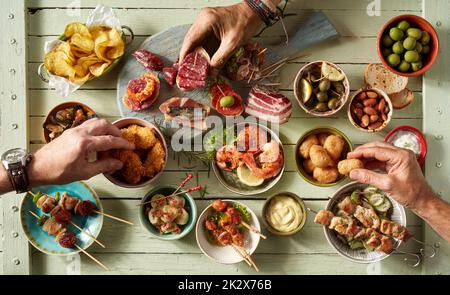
x=263 y=11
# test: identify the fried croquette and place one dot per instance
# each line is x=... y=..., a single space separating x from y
x=142 y=137
x=326 y=175
x=132 y=170
x=334 y=145
x=320 y=157
x=306 y=145
x=345 y=166
x=155 y=160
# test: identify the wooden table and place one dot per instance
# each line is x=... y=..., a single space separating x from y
x=26 y=25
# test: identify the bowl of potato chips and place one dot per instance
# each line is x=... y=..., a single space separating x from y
x=83 y=54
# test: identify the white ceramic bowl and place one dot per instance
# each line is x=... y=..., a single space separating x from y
x=227 y=254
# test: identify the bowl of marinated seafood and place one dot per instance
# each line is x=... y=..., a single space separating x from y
x=168 y=213
x=145 y=163
x=251 y=161
x=321 y=88
x=363 y=223
x=225 y=231
x=65 y=116
x=321 y=156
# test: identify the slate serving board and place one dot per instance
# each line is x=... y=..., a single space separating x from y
x=316 y=28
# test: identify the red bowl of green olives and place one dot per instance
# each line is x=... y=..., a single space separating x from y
x=408 y=45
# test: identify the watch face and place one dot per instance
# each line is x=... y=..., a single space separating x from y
x=14 y=155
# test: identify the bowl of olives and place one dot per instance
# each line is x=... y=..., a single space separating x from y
x=408 y=45
x=321 y=88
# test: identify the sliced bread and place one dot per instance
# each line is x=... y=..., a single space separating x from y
x=377 y=76
x=402 y=99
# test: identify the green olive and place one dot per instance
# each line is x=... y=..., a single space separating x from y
x=333 y=103
x=415 y=66
x=398 y=47
x=419 y=47
x=404 y=66
x=387 y=51
x=393 y=60
x=226 y=101
x=415 y=33
x=321 y=107
x=409 y=43
x=396 y=34
x=411 y=56
x=425 y=38
x=403 y=25
x=338 y=86
x=387 y=41
x=425 y=49
x=324 y=85
x=322 y=96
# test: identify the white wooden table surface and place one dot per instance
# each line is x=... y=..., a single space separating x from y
x=130 y=250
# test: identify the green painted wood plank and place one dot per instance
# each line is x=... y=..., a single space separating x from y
x=151 y=21
x=189 y=264
x=401 y=5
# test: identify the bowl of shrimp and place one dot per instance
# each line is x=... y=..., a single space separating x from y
x=167 y=215
x=251 y=162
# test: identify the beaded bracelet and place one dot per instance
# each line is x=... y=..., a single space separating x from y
x=268 y=16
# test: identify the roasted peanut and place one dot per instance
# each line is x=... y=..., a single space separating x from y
x=370 y=111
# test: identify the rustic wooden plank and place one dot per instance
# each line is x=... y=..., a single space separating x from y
x=105 y=103
x=400 y=5
x=436 y=109
x=189 y=264
x=355 y=73
x=151 y=21
x=13 y=81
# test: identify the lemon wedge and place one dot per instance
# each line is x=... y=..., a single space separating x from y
x=305 y=90
x=330 y=72
x=247 y=178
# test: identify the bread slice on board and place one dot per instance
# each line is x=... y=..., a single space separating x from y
x=402 y=99
x=377 y=76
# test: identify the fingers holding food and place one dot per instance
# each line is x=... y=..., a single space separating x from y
x=142 y=137
x=320 y=157
x=132 y=170
x=334 y=145
x=325 y=175
x=346 y=166
x=306 y=145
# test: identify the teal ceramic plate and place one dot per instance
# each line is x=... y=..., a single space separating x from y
x=46 y=243
x=190 y=207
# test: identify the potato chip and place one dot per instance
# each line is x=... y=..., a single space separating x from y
x=98 y=68
x=65 y=47
x=115 y=52
x=80 y=79
x=61 y=67
x=82 y=43
x=76 y=28
x=88 y=61
x=78 y=53
x=80 y=71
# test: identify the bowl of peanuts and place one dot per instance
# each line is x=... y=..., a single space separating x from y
x=370 y=110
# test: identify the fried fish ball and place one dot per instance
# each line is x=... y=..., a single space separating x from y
x=325 y=175
x=345 y=166
x=308 y=166
x=306 y=145
x=142 y=137
x=320 y=157
x=132 y=170
x=322 y=137
x=155 y=160
x=334 y=145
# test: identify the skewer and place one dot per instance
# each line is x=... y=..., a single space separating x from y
x=311 y=210
x=92 y=257
x=113 y=217
x=241 y=254
x=274 y=64
x=86 y=233
x=79 y=248
x=271 y=84
x=274 y=69
x=262 y=51
x=251 y=76
x=253 y=229
x=250 y=259
x=183 y=183
x=192 y=189
x=151 y=201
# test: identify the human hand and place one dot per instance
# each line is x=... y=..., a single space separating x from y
x=66 y=159
x=233 y=25
x=404 y=180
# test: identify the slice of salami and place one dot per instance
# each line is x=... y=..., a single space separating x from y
x=149 y=60
x=193 y=70
x=170 y=75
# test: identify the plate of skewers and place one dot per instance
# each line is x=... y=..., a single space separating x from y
x=363 y=223
x=228 y=232
x=252 y=161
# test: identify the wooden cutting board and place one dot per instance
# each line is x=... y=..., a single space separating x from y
x=316 y=28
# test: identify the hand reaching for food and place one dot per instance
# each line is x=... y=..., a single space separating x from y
x=66 y=159
x=232 y=25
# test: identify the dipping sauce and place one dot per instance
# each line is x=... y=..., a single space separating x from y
x=407 y=140
x=284 y=214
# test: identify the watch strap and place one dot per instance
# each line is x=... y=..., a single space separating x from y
x=19 y=179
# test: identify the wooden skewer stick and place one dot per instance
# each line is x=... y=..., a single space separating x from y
x=253 y=229
x=113 y=217
x=86 y=233
x=34 y=214
x=262 y=51
x=250 y=259
x=251 y=76
x=311 y=210
x=283 y=60
x=92 y=257
x=241 y=254
x=271 y=84
x=276 y=68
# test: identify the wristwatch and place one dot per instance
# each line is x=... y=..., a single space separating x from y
x=15 y=162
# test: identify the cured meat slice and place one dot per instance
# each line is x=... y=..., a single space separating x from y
x=170 y=75
x=185 y=111
x=149 y=60
x=268 y=104
x=193 y=70
x=220 y=89
x=142 y=92
x=246 y=62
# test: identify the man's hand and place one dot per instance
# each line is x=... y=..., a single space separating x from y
x=233 y=25
x=404 y=180
x=65 y=159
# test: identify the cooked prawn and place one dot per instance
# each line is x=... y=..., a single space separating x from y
x=267 y=168
x=251 y=139
x=228 y=157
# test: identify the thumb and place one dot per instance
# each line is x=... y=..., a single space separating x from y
x=381 y=181
x=222 y=54
x=107 y=165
